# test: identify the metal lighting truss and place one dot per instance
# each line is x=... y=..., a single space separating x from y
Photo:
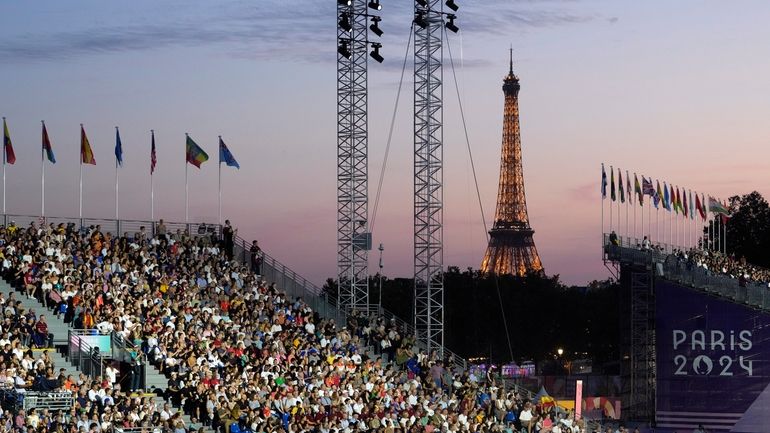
x=428 y=175
x=353 y=239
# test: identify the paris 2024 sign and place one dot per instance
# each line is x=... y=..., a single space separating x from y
x=713 y=363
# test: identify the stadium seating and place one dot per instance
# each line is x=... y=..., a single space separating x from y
x=235 y=353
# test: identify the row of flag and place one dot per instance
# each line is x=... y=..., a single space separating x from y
x=670 y=198
x=194 y=154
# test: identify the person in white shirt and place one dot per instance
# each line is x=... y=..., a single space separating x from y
x=112 y=374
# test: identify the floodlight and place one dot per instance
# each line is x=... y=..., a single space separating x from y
x=419 y=19
x=343 y=49
x=375 y=4
x=451 y=23
x=376 y=52
x=344 y=22
x=452 y=5
x=375 y=27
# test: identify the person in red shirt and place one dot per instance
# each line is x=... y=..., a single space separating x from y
x=42 y=337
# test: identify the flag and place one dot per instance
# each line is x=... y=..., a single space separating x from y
x=118 y=149
x=699 y=206
x=194 y=154
x=647 y=188
x=659 y=194
x=47 y=148
x=153 y=156
x=620 y=187
x=672 y=199
x=684 y=202
x=10 y=156
x=225 y=155
x=604 y=183
x=678 y=201
x=666 y=198
x=725 y=216
x=692 y=206
x=86 y=154
x=628 y=189
x=612 y=184
x=638 y=190
x=716 y=207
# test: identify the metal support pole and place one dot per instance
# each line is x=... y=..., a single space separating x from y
x=352 y=155
x=428 y=174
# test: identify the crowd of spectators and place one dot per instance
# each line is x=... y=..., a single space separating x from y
x=722 y=264
x=711 y=261
x=239 y=355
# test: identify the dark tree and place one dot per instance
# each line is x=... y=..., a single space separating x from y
x=748 y=231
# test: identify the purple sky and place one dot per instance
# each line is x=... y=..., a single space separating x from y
x=674 y=90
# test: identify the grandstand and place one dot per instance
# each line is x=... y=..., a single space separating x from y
x=162 y=332
x=695 y=337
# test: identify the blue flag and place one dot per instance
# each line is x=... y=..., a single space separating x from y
x=604 y=183
x=118 y=149
x=225 y=155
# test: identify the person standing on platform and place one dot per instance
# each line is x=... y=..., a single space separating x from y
x=228 y=236
x=256 y=258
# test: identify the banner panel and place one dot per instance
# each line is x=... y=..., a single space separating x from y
x=713 y=362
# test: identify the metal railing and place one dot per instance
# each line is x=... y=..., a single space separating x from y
x=118 y=227
x=685 y=272
x=88 y=359
x=56 y=400
x=126 y=351
x=295 y=285
x=138 y=429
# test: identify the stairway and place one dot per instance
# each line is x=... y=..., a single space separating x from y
x=56 y=326
x=60 y=331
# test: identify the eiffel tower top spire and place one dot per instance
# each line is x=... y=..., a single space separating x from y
x=511 y=248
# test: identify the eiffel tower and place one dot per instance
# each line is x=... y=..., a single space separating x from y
x=511 y=249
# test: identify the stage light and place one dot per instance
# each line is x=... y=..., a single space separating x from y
x=452 y=5
x=375 y=26
x=344 y=22
x=375 y=4
x=345 y=2
x=451 y=23
x=419 y=19
x=343 y=49
x=376 y=52
x=423 y=3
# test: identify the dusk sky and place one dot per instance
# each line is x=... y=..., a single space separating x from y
x=674 y=90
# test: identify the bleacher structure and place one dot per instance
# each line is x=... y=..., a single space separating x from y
x=83 y=358
x=637 y=269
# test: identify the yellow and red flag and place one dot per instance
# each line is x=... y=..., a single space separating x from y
x=86 y=154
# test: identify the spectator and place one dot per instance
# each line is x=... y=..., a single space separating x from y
x=256 y=258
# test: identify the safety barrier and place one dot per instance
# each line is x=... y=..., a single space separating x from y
x=60 y=400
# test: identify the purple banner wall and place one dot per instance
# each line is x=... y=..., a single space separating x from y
x=713 y=363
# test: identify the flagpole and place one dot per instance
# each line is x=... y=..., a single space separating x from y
x=641 y=197
x=612 y=190
x=186 y=189
x=117 y=180
x=80 y=199
x=152 y=184
x=601 y=200
x=219 y=214
x=628 y=203
x=42 y=177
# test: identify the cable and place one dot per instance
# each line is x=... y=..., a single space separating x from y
x=390 y=134
x=478 y=192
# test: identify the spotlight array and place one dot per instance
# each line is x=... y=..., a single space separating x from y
x=348 y=15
